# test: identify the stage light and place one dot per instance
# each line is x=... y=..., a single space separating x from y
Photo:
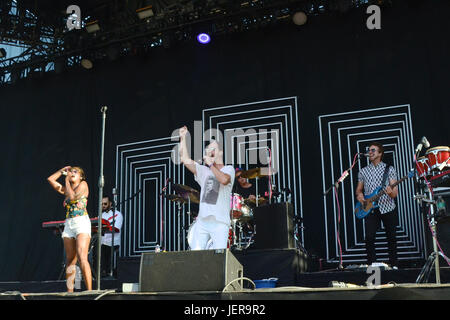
x=86 y=63
x=92 y=27
x=203 y=38
x=299 y=18
x=2 y=53
x=145 y=12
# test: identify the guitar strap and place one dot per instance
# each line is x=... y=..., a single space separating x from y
x=385 y=176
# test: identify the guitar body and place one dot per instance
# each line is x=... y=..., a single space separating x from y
x=361 y=211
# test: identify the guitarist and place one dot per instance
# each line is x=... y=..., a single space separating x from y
x=377 y=174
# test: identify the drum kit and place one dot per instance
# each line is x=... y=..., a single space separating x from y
x=242 y=229
x=434 y=166
x=433 y=171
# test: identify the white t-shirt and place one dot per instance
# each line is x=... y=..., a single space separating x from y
x=215 y=198
x=107 y=237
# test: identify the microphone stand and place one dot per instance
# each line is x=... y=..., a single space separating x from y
x=101 y=184
x=344 y=175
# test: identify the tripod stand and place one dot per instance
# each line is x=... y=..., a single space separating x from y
x=433 y=259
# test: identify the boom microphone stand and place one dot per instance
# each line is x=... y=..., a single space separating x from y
x=335 y=186
x=101 y=184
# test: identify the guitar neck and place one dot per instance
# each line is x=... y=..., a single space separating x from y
x=382 y=192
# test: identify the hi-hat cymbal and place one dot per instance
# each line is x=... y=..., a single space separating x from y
x=252 y=173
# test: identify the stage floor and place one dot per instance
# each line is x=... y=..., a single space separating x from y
x=383 y=292
x=288 y=265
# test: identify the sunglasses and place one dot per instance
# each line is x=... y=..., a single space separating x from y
x=372 y=150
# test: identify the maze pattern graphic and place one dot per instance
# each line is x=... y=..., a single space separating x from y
x=269 y=128
x=342 y=135
x=142 y=171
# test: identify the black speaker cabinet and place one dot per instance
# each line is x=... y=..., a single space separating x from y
x=199 y=270
x=274 y=226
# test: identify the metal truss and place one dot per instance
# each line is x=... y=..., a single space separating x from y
x=121 y=31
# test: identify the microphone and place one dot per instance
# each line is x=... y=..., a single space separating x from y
x=363 y=154
x=423 y=142
x=114 y=195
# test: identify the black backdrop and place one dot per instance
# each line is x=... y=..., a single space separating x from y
x=334 y=63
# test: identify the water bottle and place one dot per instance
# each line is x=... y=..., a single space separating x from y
x=440 y=206
x=157 y=248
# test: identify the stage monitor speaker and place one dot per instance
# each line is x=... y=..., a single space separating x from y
x=274 y=226
x=199 y=270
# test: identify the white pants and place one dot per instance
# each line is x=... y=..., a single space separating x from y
x=208 y=233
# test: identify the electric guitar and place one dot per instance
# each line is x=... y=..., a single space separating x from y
x=371 y=202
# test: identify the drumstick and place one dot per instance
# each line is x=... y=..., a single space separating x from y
x=443 y=164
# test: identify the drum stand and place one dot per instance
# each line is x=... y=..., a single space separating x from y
x=236 y=245
x=433 y=259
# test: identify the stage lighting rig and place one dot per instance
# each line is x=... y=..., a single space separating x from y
x=144 y=13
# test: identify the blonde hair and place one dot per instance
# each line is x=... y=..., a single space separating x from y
x=82 y=174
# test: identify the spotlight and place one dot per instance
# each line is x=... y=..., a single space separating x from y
x=203 y=38
x=86 y=63
x=299 y=18
x=92 y=27
x=2 y=53
x=145 y=12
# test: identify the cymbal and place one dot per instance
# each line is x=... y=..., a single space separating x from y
x=252 y=173
x=261 y=201
x=174 y=197
x=187 y=193
x=183 y=188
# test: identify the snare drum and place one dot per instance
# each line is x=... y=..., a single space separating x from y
x=423 y=167
x=236 y=205
x=247 y=214
x=438 y=158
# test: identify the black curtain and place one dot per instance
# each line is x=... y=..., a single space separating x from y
x=333 y=63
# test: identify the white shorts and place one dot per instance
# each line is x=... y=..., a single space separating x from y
x=74 y=226
x=208 y=233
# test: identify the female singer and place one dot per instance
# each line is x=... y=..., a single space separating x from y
x=77 y=227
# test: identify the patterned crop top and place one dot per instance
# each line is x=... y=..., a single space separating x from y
x=76 y=208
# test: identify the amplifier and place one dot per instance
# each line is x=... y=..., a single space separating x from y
x=274 y=226
x=198 y=270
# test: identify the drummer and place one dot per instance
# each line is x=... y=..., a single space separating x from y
x=244 y=188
